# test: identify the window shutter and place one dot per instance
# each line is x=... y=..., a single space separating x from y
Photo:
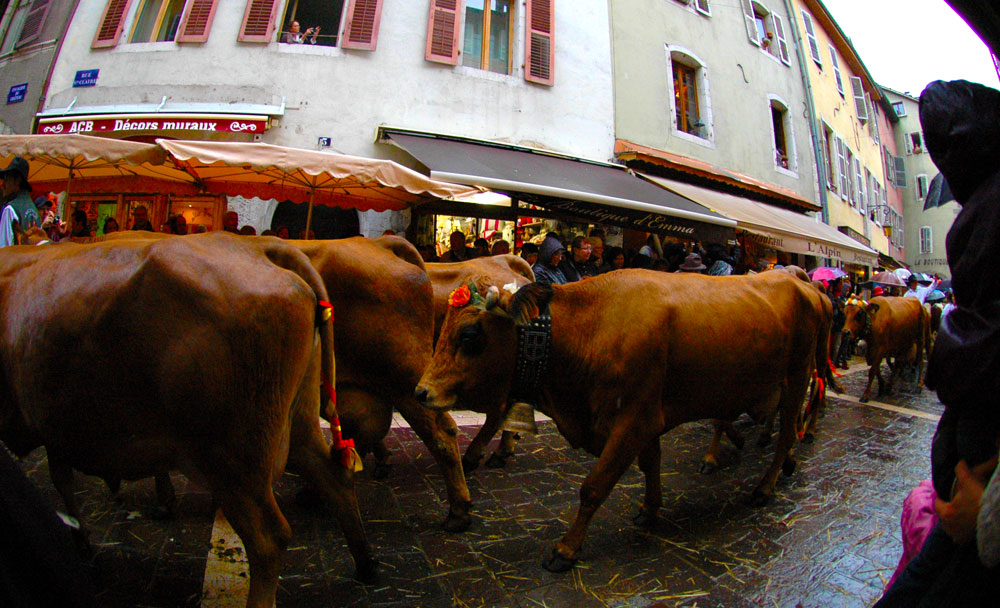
x=900 y=172
x=750 y=21
x=908 y=141
x=112 y=22
x=843 y=168
x=703 y=7
x=442 y=32
x=361 y=30
x=258 y=21
x=858 y=88
x=539 y=47
x=32 y=27
x=836 y=70
x=811 y=36
x=779 y=33
x=196 y=21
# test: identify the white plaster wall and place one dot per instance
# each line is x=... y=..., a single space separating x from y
x=345 y=95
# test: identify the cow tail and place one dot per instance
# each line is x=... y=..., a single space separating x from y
x=292 y=259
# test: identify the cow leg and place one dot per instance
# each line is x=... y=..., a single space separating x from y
x=620 y=450
x=166 y=497
x=710 y=461
x=62 y=478
x=439 y=433
x=498 y=459
x=873 y=372
x=474 y=453
x=789 y=406
x=382 y=464
x=649 y=464
x=265 y=533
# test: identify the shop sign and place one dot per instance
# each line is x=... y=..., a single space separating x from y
x=85 y=78
x=17 y=93
x=643 y=221
x=152 y=122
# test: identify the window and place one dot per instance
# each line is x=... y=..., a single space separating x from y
x=686 y=99
x=843 y=169
x=784 y=152
x=766 y=30
x=921 y=184
x=487 y=40
x=860 y=103
x=25 y=25
x=836 y=70
x=811 y=36
x=926 y=242
x=859 y=185
x=830 y=151
x=899 y=108
x=900 y=171
x=914 y=143
x=156 y=20
x=322 y=14
x=702 y=6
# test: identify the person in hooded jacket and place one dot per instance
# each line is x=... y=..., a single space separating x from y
x=961 y=125
x=550 y=254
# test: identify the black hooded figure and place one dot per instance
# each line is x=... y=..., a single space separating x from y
x=961 y=124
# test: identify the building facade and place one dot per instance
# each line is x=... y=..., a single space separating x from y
x=927 y=225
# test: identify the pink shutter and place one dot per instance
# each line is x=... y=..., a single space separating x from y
x=33 y=23
x=112 y=22
x=361 y=31
x=442 y=32
x=258 y=21
x=539 y=47
x=196 y=21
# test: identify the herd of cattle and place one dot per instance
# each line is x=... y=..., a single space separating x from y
x=210 y=355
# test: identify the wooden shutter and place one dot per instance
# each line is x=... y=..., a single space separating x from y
x=779 y=33
x=836 y=70
x=361 y=30
x=196 y=21
x=844 y=170
x=539 y=42
x=258 y=21
x=908 y=141
x=811 y=36
x=112 y=22
x=750 y=21
x=858 y=88
x=900 y=172
x=32 y=27
x=442 y=32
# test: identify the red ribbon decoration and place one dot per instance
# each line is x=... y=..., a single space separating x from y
x=328 y=313
x=820 y=394
x=341 y=445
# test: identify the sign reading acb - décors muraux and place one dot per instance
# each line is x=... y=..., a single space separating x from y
x=85 y=78
x=17 y=93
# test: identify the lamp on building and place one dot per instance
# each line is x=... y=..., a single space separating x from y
x=886 y=211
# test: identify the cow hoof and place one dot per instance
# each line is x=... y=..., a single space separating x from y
x=496 y=461
x=457 y=523
x=837 y=387
x=558 y=563
x=367 y=573
x=646 y=518
x=864 y=398
x=381 y=470
x=759 y=498
x=469 y=465
x=808 y=438
x=707 y=468
x=788 y=467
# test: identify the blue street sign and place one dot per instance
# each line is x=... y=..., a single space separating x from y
x=324 y=142
x=17 y=92
x=85 y=78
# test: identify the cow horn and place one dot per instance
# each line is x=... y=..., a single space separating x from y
x=492 y=297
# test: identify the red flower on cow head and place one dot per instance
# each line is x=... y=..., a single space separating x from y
x=459 y=297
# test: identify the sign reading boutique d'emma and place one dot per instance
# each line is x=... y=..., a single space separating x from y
x=109 y=124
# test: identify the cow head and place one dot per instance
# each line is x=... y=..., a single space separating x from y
x=859 y=315
x=473 y=363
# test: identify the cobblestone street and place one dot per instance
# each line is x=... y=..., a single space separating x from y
x=830 y=538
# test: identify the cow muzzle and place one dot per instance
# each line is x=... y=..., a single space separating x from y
x=430 y=399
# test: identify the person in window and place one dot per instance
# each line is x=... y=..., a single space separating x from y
x=110 y=225
x=294 y=35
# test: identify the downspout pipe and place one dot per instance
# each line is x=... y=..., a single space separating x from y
x=43 y=94
x=817 y=138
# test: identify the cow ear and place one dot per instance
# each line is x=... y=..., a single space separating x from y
x=872 y=308
x=528 y=302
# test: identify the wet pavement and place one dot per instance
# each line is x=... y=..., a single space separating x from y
x=830 y=537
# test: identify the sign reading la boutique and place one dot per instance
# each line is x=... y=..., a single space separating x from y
x=197 y=122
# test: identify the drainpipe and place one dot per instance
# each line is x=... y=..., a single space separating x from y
x=52 y=65
x=810 y=109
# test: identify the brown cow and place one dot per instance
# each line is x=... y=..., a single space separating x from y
x=633 y=354
x=383 y=328
x=892 y=327
x=199 y=354
x=492 y=270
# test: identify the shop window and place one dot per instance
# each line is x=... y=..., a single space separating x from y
x=784 y=152
x=312 y=14
x=157 y=20
x=487 y=37
x=690 y=100
x=926 y=242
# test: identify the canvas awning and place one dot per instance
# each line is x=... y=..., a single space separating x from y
x=586 y=189
x=777 y=228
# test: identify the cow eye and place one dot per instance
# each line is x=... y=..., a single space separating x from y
x=472 y=339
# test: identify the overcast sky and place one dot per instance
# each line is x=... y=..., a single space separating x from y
x=906 y=44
